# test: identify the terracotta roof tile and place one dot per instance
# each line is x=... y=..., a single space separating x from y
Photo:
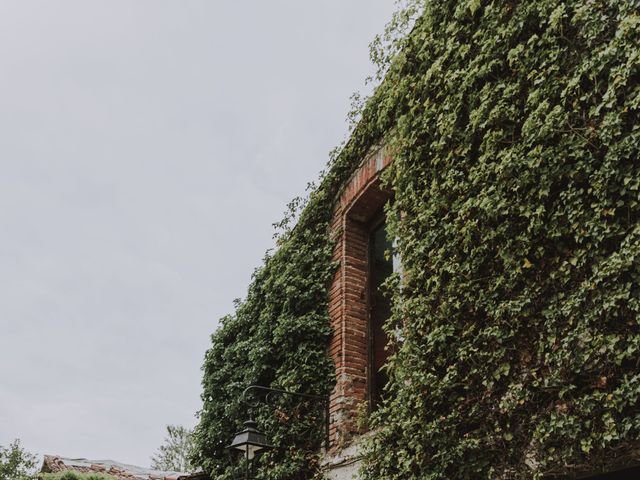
x=119 y=471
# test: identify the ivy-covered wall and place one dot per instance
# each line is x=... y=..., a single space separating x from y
x=515 y=133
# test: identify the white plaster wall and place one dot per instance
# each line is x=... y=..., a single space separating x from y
x=343 y=465
x=343 y=472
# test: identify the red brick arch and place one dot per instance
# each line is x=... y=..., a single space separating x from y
x=360 y=200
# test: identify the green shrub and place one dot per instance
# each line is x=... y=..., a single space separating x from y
x=70 y=475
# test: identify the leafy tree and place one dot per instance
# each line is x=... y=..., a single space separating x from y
x=174 y=454
x=16 y=463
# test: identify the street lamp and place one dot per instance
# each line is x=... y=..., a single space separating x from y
x=251 y=440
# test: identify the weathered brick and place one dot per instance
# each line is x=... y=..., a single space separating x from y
x=361 y=199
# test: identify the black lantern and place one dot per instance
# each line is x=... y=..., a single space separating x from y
x=250 y=440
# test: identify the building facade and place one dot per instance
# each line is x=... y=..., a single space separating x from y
x=509 y=220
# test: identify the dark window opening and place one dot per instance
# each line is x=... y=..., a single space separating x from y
x=380 y=268
x=630 y=474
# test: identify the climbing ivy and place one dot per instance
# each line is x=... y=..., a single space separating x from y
x=515 y=135
x=516 y=157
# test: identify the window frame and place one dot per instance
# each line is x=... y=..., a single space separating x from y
x=372 y=387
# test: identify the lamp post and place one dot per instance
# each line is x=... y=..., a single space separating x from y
x=251 y=440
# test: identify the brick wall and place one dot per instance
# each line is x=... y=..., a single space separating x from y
x=361 y=199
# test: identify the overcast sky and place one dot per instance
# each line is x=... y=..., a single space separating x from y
x=146 y=148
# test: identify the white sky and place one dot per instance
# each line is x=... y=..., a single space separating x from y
x=146 y=147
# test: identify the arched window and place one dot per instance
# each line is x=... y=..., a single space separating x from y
x=380 y=268
x=357 y=308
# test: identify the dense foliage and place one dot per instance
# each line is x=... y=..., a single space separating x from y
x=517 y=188
x=515 y=134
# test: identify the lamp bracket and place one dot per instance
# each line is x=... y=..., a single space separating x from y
x=270 y=392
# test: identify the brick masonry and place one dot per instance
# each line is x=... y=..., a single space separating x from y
x=360 y=201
